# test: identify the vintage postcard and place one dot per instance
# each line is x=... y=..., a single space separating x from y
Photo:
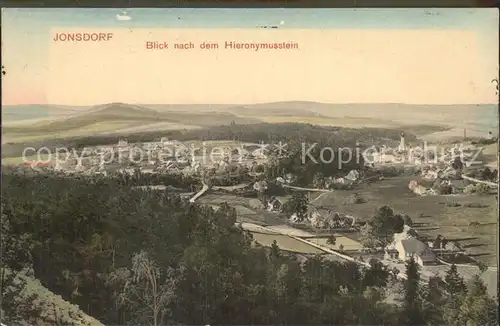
x=249 y=166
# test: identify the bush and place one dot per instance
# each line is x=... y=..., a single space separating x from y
x=469 y=189
x=256 y=204
x=484 y=141
x=482 y=189
x=444 y=189
x=341 y=186
x=475 y=205
x=354 y=199
x=453 y=204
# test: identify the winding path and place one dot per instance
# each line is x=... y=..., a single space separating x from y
x=200 y=193
x=307 y=189
x=491 y=184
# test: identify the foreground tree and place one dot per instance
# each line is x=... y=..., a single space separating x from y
x=368 y=237
x=433 y=301
x=15 y=263
x=456 y=290
x=407 y=220
x=332 y=239
x=297 y=205
x=412 y=303
x=319 y=180
x=477 y=308
x=385 y=223
x=376 y=275
x=145 y=290
x=455 y=283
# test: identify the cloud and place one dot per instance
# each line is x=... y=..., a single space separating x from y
x=123 y=17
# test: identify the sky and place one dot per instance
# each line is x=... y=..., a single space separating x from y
x=415 y=56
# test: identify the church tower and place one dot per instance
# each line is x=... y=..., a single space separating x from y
x=402 y=146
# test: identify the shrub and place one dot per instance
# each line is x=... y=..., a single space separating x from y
x=444 y=189
x=475 y=205
x=354 y=199
x=453 y=204
x=341 y=186
x=469 y=189
x=482 y=189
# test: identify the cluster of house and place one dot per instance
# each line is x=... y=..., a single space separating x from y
x=328 y=182
x=325 y=218
x=419 y=155
x=350 y=178
x=449 y=180
x=445 y=176
x=148 y=157
x=441 y=186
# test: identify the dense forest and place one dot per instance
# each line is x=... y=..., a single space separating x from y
x=139 y=257
x=255 y=133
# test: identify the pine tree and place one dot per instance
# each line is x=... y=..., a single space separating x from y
x=274 y=252
x=456 y=290
x=454 y=282
x=297 y=205
x=478 y=308
x=433 y=301
x=376 y=275
x=412 y=304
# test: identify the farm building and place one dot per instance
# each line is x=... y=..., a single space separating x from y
x=430 y=173
x=417 y=188
x=415 y=248
x=274 y=204
x=352 y=176
x=391 y=251
x=340 y=181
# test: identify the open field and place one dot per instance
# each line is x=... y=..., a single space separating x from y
x=291 y=231
x=347 y=243
x=352 y=122
x=215 y=199
x=18 y=113
x=456 y=133
x=159 y=126
x=32 y=133
x=489 y=154
x=285 y=243
x=243 y=211
x=431 y=213
x=21 y=160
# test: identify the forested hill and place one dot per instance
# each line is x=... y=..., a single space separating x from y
x=140 y=257
x=255 y=133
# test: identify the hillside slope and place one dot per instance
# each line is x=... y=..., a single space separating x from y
x=54 y=310
x=110 y=118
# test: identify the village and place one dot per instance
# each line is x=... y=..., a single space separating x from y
x=310 y=220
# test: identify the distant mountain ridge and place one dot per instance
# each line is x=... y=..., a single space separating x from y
x=21 y=123
x=485 y=115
